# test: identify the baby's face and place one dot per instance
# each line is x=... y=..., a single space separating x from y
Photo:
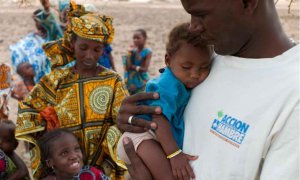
x=8 y=143
x=27 y=70
x=191 y=65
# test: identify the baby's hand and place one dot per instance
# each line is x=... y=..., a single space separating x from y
x=181 y=167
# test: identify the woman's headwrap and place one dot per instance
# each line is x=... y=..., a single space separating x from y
x=84 y=24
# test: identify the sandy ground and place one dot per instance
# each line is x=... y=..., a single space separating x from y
x=157 y=18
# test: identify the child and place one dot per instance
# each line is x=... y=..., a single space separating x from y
x=22 y=88
x=137 y=63
x=11 y=165
x=188 y=64
x=61 y=154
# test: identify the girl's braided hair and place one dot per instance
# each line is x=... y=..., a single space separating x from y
x=45 y=144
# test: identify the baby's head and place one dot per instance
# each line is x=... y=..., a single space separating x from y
x=8 y=142
x=60 y=151
x=25 y=70
x=187 y=57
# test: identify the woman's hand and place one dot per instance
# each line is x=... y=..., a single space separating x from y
x=130 y=107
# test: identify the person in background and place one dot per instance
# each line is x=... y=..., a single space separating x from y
x=23 y=87
x=11 y=165
x=137 y=63
x=29 y=49
x=5 y=89
x=107 y=59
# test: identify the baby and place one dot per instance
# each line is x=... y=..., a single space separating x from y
x=188 y=64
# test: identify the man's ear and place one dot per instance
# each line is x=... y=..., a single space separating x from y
x=167 y=59
x=250 y=5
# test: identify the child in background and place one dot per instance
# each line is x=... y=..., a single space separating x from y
x=23 y=87
x=63 y=159
x=11 y=165
x=137 y=63
x=188 y=64
x=107 y=59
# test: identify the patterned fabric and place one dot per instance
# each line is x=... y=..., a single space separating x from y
x=84 y=24
x=29 y=49
x=7 y=167
x=136 y=81
x=5 y=90
x=104 y=59
x=86 y=106
x=91 y=173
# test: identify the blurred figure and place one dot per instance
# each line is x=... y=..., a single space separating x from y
x=5 y=89
x=23 y=87
x=29 y=49
x=137 y=63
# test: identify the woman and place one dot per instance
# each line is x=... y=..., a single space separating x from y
x=29 y=49
x=84 y=98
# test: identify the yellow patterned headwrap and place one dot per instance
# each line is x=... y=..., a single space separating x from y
x=84 y=24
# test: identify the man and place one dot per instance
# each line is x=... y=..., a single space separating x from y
x=243 y=121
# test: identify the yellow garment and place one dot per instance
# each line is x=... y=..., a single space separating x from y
x=85 y=24
x=86 y=106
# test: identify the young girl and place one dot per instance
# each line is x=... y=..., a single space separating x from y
x=62 y=157
x=137 y=63
x=11 y=165
x=22 y=88
x=188 y=64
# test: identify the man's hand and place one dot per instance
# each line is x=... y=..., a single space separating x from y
x=137 y=169
x=130 y=107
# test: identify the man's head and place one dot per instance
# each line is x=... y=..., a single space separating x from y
x=229 y=25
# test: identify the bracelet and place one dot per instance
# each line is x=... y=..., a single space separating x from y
x=137 y=68
x=174 y=154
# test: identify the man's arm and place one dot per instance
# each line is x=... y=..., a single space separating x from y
x=282 y=158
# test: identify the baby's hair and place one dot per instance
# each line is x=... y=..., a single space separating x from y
x=143 y=32
x=180 y=34
x=37 y=11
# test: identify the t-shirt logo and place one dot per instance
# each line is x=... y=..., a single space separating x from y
x=230 y=129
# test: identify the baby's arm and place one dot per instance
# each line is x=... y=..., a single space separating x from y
x=181 y=168
x=22 y=170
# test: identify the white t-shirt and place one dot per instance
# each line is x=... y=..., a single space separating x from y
x=247 y=110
